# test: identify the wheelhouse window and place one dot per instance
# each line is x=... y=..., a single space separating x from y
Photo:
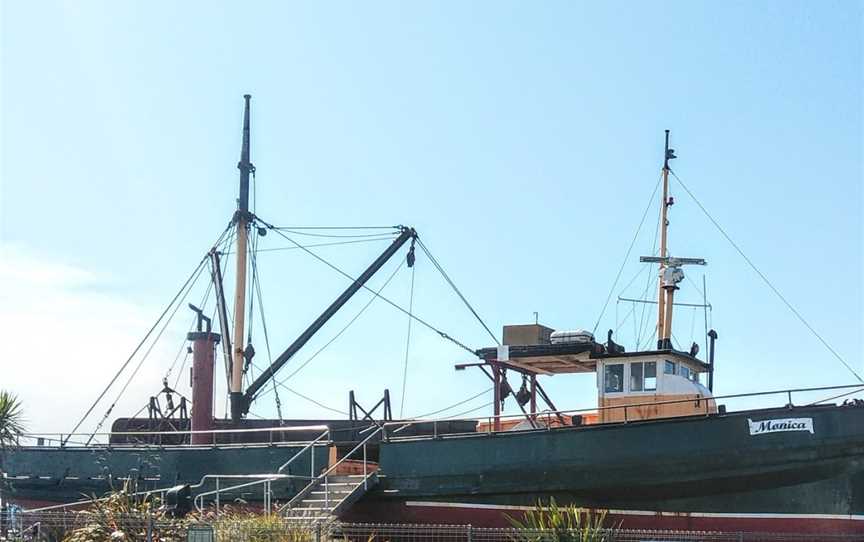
x=685 y=372
x=669 y=367
x=613 y=378
x=643 y=376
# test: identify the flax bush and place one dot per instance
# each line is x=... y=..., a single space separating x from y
x=557 y=523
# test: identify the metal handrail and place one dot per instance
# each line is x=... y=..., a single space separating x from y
x=65 y=437
x=324 y=476
x=161 y=492
x=549 y=413
x=199 y=499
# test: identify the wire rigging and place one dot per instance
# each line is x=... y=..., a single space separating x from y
x=454 y=405
x=455 y=289
x=424 y=323
x=147 y=353
x=626 y=256
x=257 y=282
x=137 y=348
x=407 y=345
x=766 y=281
x=338 y=334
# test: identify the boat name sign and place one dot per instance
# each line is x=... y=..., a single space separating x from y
x=778 y=426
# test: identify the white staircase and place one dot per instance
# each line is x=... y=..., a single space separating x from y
x=329 y=495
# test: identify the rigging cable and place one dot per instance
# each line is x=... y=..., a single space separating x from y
x=481 y=407
x=341 y=331
x=354 y=241
x=626 y=256
x=407 y=344
x=331 y=236
x=460 y=403
x=429 y=326
x=257 y=282
x=766 y=281
x=455 y=289
x=147 y=353
x=138 y=347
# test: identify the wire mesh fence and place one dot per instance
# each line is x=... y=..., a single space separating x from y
x=83 y=527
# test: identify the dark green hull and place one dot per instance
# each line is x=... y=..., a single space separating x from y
x=701 y=466
x=43 y=475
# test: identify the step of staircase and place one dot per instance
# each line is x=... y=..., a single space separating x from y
x=326 y=500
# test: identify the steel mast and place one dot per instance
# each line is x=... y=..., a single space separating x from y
x=242 y=220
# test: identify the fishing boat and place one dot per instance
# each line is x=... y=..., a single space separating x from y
x=660 y=450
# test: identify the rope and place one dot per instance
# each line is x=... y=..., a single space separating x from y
x=455 y=289
x=341 y=331
x=386 y=300
x=407 y=346
x=146 y=354
x=460 y=403
x=322 y=405
x=481 y=407
x=331 y=236
x=257 y=282
x=766 y=281
x=371 y=239
x=626 y=256
x=138 y=347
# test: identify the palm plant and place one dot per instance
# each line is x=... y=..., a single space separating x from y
x=11 y=420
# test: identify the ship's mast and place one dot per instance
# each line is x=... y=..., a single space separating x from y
x=242 y=218
x=664 y=226
x=670 y=268
x=664 y=305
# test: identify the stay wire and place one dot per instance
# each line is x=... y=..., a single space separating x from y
x=146 y=354
x=407 y=345
x=766 y=281
x=627 y=255
x=257 y=281
x=454 y=405
x=455 y=289
x=396 y=306
x=336 y=336
x=339 y=334
x=306 y=397
x=138 y=347
x=331 y=236
x=355 y=241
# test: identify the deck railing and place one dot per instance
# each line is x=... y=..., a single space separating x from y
x=71 y=440
x=265 y=479
x=392 y=429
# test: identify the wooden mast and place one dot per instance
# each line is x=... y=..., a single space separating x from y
x=664 y=225
x=242 y=218
x=663 y=319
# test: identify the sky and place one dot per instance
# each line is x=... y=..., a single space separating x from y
x=522 y=140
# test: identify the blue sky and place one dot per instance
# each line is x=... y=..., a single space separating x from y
x=522 y=140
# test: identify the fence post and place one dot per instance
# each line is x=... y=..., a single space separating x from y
x=469 y=534
x=318 y=531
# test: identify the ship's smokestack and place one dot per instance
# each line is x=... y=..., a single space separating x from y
x=203 y=358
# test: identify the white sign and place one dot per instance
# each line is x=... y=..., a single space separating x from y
x=779 y=426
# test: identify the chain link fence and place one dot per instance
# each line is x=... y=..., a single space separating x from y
x=79 y=527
